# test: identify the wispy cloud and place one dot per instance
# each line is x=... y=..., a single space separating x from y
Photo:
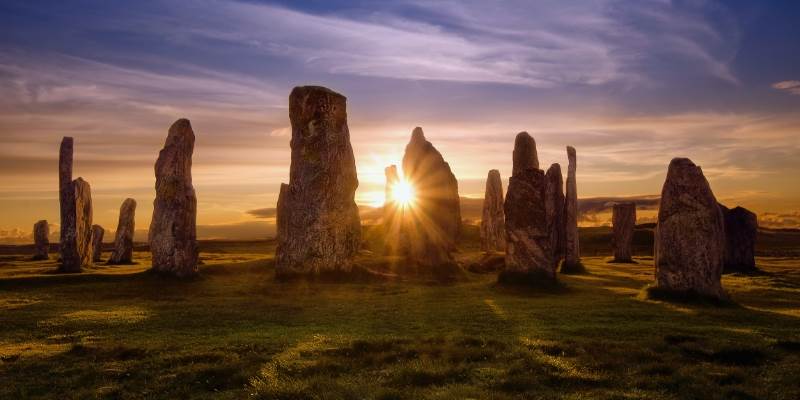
x=791 y=87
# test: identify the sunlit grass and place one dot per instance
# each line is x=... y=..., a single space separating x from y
x=236 y=333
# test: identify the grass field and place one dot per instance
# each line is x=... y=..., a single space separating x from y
x=122 y=332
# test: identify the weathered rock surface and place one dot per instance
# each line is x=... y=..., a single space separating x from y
x=429 y=231
x=173 y=228
x=493 y=230
x=741 y=229
x=123 y=239
x=690 y=234
x=392 y=214
x=572 y=256
x=66 y=198
x=97 y=242
x=524 y=155
x=528 y=247
x=41 y=240
x=623 y=220
x=554 y=208
x=321 y=228
x=76 y=235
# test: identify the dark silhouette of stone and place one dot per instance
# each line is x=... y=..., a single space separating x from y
x=392 y=212
x=320 y=230
x=524 y=155
x=281 y=213
x=623 y=220
x=690 y=235
x=123 y=239
x=529 y=255
x=572 y=255
x=741 y=229
x=76 y=235
x=430 y=229
x=97 y=242
x=493 y=230
x=66 y=198
x=554 y=207
x=173 y=228
x=41 y=240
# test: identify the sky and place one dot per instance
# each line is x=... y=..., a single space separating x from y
x=630 y=84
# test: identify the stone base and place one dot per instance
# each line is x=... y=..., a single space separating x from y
x=39 y=258
x=684 y=296
x=622 y=261
x=742 y=269
x=573 y=268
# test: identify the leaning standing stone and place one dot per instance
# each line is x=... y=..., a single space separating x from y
x=173 y=229
x=690 y=235
x=529 y=256
x=41 y=240
x=97 y=242
x=430 y=229
x=572 y=257
x=76 y=245
x=623 y=219
x=493 y=230
x=321 y=228
x=554 y=206
x=123 y=239
x=741 y=229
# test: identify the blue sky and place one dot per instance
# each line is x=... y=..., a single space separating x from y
x=630 y=84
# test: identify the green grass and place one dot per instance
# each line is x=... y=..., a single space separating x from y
x=235 y=332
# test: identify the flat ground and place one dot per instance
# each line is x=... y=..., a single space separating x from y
x=122 y=332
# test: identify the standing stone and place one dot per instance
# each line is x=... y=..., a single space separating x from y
x=572 y=256
x=41 y=240
x=690 y=234
x=321 y=230
x=554 y=207
x=76 y=242
x=741 y=229
x=97 y=242
x=525 y=155
x=173 y=229
x=623 y=220
x=430 y=230
x=528 y=250
x=392 y=214
x=493 y=230
x=66 y=198
x=123 y=239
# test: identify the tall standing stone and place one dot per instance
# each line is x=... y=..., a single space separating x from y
x=430 y=229
x=66 y=198
x=173 y=228
x=529 y=255
x=741 y=229
x=392 y=213
x=623 y=220
x=97 y=242
x=123 y=239
x=572 y=256
x=76 y=235
x=690 y=234
x=322 y=228
x=493 y=230
x=524 y=155
x=554 y=207
x=41 y=240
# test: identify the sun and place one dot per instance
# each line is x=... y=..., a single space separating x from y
x=403 y=193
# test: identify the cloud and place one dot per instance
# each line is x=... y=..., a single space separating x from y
x=263 y=212
x=791 y=87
